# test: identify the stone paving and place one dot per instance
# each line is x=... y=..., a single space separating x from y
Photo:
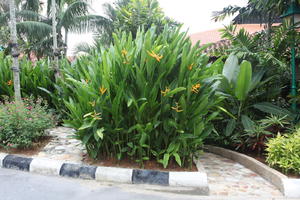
x=228 y=178
x=225 y=177
x=62 y=146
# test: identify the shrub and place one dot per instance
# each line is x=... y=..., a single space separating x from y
x=284 y=152
x=148 y=98
x=32 y=77
x=23 y=124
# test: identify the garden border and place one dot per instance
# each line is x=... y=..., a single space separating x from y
x=196 y=181
x=290 y=187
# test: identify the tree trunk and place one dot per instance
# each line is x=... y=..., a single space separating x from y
x=15 y=51
x=55 y=49
x=66 y=41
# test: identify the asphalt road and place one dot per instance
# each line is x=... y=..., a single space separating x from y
x=17 y=185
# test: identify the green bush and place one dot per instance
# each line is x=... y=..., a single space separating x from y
x=284 y=152
x=148 y=98
x=32 y=77
x=23 y=124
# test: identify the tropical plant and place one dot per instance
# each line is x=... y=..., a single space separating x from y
x=283 y=152
x=129 y=16
x=148 y=98
x=32 y=78
x=23 y=124
x=242 y=88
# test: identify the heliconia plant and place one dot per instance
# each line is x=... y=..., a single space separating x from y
x=33 y=77
x=148 y=98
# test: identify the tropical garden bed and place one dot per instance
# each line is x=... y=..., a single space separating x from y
x=150 y=96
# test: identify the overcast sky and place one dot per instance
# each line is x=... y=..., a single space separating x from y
x=195 y=14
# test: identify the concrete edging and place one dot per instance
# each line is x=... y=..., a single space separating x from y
x=288 y=186
x=194 y=180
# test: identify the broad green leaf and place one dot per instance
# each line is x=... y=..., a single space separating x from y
x=247 y=123
x=244 y=81
x=272 y=109
x=231 y=68
x=230 y=127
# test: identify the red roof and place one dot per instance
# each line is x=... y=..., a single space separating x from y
x=214 y=36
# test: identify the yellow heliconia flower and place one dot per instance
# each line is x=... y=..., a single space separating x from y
x=164 y=92
x=92 y=103
x=177 y=108
x=96 y=115
x=102 y=90
x=124 y=52
x=154 y=55
x=86 y=81
x=9 y=83
x=191 y=67
x=195 y=88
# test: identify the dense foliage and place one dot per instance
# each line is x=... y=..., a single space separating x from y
x=145 y=98
x=283 y=152
x=34 y=76
x=23 y=124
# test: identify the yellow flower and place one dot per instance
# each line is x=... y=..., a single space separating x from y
x=195 y=88
x=191 y=67
x=9 y=83
x=164 y=93
x=87 y=81
x=154 y=55
x=124 y=52
x=177 y=108
x=96 y=116
x=92 y=103
x=102 y=90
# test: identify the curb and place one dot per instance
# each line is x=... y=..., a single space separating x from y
x=194 y=180
x=290 y=187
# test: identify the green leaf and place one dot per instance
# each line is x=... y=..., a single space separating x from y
x=231 y=68
x=166 y=160
x=272 y=109
x=230 y=127
x=244 y=81
x=247 y=123
x=100 y=133
x=87 y=125
x=177 y=159
x=176 y=90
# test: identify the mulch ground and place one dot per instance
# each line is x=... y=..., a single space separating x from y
x=127 y=163
x=36 y=148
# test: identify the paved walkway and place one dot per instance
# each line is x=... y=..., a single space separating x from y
x=226 y=178
x=63 y=146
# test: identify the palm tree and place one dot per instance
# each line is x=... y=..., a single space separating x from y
x=54 y=35
x=15 y=52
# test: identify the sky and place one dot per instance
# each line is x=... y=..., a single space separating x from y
x=194 y=14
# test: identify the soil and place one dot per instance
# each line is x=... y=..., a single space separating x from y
x=128 y=163
x=34 y=150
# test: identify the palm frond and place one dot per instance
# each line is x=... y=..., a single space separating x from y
x=33 y=28
x=227 y=11
x=76 y=9
x=86 y=23
x=30 y=15
x=33 y=5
